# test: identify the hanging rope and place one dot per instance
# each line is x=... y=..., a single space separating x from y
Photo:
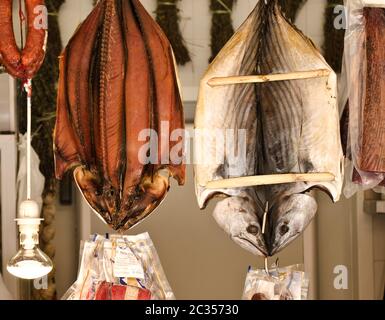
x=167 y=16
x=222 y=25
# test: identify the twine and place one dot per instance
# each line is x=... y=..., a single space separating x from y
x=220 y=12
x=167 y=3
x=226 y=8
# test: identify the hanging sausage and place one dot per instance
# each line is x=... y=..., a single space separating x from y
x=118 y=81
x=23 y=63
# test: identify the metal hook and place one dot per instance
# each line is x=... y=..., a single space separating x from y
x=263 y=232
x=95 y=253
x=265 y=217
x=277 y=267
x=267 y=266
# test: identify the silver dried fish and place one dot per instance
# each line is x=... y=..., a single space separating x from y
x=291 y=127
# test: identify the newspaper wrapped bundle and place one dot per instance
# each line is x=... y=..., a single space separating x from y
x=288 y=283
x=120 y=268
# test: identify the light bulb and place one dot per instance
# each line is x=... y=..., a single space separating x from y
x=30 y=262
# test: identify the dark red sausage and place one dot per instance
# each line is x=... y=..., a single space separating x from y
x=10 y=54
x=22 y=64
x=34 y=51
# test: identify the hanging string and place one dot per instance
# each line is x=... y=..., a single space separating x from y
x=266 y=265
x=264 y=222
x=28 y=89
x=265 y=218
x=44 y=104
x=225 y=6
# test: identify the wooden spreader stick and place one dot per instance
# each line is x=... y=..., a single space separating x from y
x=225 y=81
x=251 y=181
x=263 y=180
x=374 y=3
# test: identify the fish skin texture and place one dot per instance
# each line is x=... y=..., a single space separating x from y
x=117 y=78
x=291 y=126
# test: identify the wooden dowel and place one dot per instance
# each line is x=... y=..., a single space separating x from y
x=243 y=182
x=374 y=3
x=224 y=81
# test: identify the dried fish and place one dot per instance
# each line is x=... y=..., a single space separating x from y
x=371 y=154
x=23 y=63
x=118 y=78
x=236 y=216
x=363 y=81
x=290 y=127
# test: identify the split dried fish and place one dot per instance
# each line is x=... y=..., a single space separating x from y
x=290 y=127
x=117 y=78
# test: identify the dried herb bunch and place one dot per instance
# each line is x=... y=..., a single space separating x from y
x=168 y=17
x=334 y=38
x=291 y=8
x=222 y=25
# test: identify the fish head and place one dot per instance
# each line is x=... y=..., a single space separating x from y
x=288 y=219
x=138 y=201
x=101 y=196
x=238 y=218
x=141 y=200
